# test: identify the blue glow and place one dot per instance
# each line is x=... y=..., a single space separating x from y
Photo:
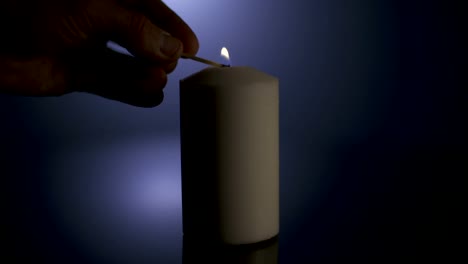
x=120 y=199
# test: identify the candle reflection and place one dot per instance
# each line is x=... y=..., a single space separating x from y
x=197 y=250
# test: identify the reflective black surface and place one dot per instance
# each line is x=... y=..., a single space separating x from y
x=199 y=251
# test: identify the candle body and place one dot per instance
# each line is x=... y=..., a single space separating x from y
x=230 y=155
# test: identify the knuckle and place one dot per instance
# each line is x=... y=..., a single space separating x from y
x=138 y=23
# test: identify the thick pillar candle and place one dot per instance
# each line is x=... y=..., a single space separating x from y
x=230 y=155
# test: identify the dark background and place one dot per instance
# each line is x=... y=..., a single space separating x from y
x=373 y=141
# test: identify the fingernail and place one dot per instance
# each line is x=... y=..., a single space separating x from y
x=169 y=45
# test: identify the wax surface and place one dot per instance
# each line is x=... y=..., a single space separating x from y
x=230 y=154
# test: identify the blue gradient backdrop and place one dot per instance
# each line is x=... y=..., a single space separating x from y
x=373 y=140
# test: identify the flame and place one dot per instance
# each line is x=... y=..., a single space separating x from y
x=225 y=53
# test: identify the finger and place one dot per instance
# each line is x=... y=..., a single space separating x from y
x=38 y=76
x=168 y=68
x=165 y=18
x=119 y=77
x=138 y=34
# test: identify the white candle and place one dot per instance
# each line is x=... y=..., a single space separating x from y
x=230 y=155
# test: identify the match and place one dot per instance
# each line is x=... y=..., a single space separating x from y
x=202 y=60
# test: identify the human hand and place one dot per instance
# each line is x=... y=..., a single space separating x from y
x=54 y=47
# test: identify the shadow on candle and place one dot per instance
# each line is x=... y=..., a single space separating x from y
x=199 y=250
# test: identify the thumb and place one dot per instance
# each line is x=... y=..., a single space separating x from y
x=139 y=35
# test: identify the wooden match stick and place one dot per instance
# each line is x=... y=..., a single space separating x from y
x=202 y=60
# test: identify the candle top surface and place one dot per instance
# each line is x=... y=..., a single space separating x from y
x=232 y=75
